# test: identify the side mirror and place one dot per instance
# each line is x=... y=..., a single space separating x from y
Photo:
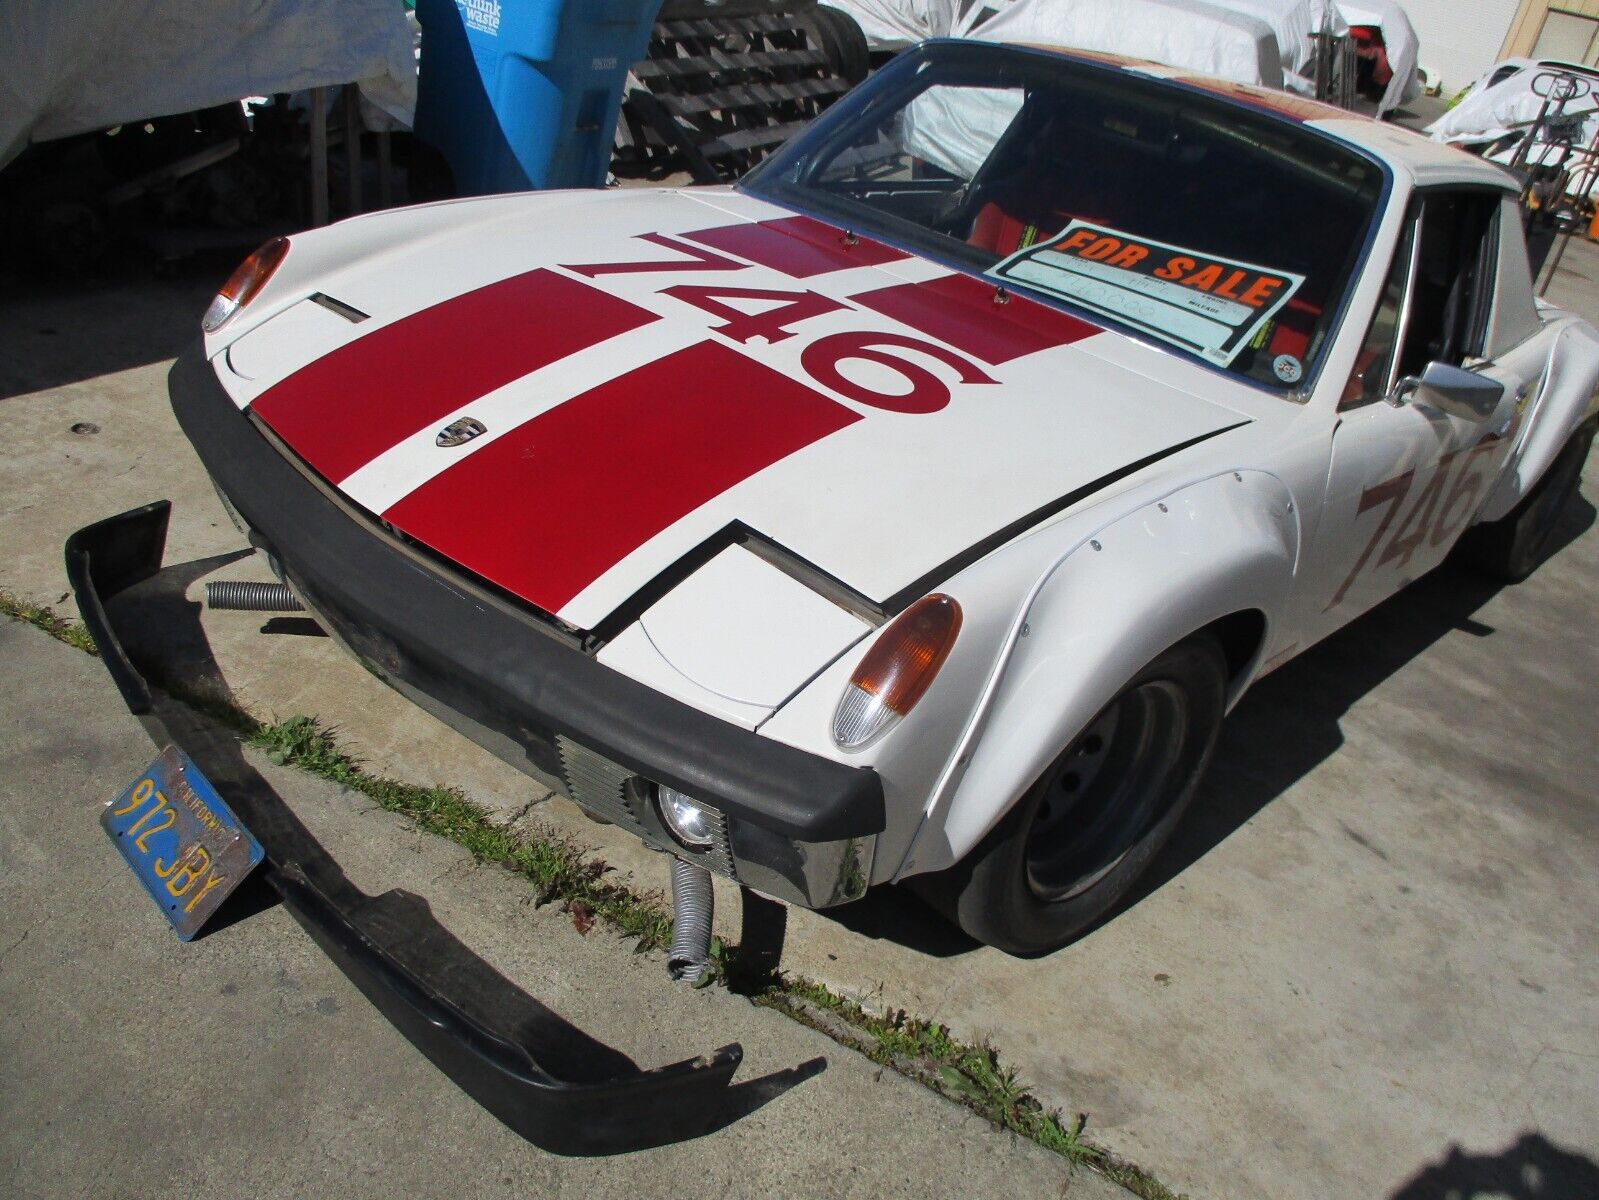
x=1453 y=390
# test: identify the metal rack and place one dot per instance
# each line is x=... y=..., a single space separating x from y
x=725 y=84
x=1335 y=66
x=1559 y=169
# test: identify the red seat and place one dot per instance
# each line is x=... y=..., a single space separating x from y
x=1000 y=230
x=1295 y=323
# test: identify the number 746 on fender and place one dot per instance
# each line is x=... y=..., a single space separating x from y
x=1452 y=494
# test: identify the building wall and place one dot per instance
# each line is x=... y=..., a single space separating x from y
x=1529 y=19
x=1460 y=39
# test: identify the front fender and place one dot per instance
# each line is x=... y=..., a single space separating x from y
x=1109 y=604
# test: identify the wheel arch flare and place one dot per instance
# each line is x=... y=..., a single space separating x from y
x=1216 y=554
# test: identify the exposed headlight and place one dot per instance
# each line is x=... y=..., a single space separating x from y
x=689 y=821
x=896 y=671
x=249 y=278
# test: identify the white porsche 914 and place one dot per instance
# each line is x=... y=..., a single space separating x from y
x=915 y=509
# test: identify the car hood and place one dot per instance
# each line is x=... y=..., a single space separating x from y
x=584 y=398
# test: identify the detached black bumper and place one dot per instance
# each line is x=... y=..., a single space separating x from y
x=608 y=1116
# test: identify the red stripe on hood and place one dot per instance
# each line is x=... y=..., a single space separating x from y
x=798 y=247
x=551 y=506
x=343 y=410
x=962 y=312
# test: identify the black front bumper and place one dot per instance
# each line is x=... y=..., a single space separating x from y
x=472 y=653
x=566 y=1116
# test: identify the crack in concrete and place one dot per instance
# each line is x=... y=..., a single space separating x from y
x=524 y=810
x=4 y=953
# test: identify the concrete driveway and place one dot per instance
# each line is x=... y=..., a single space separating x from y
x=1367 y=966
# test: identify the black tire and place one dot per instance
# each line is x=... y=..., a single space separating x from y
x=1512 y=547
x=1069 y=849
x=850 y=57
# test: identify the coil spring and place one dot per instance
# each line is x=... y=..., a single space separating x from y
x=252 y=597
x=689 y=959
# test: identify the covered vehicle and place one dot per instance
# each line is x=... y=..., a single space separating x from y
x=1188 y=33
x=955 y=129
x=1210 y=39
x=1506 y=100
x=79 y=67
x=1502 y=109
x=1296 y=25
x=1390 y=51
x=893 y=25
x=871 y=522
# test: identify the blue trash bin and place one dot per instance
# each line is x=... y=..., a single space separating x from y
x=519 y=94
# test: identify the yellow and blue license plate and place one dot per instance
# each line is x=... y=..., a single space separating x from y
x=181 y=839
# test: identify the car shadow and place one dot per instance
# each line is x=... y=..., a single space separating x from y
x=56 y=331
x=1285 y=727
x=1530 y=1168
x=1288 y=723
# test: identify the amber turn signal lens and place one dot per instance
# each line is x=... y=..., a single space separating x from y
x=247 y=279
x=896 y=671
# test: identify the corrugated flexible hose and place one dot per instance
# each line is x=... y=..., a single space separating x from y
x=251 y=597
x=689 y=960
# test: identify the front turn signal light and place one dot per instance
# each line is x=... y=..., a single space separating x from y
x=897 y=671
x=246 y=281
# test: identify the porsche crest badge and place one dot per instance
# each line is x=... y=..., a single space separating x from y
x=458 y=433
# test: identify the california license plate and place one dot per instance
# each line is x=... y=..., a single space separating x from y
x=182 y=840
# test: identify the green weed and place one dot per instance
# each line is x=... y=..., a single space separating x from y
x=41 y=617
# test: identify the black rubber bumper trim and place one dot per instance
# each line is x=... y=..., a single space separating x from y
x=648 y=1108
x=503 y=670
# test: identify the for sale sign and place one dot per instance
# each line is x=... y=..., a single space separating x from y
x=1212 y=306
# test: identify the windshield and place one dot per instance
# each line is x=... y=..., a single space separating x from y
x=1227 y=233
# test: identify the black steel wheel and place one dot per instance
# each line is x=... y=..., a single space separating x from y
x=1077 y=839
x=1512 y=547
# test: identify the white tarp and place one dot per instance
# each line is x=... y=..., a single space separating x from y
x=1399 y=37
x=74 y=66
x=1486 y=114
x=1293 y=22
x=956 y=128
x=1190 y=34
x=896 y=24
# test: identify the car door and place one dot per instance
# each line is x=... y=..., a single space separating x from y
x=1405 y=476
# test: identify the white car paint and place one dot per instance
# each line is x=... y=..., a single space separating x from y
x=772 y=631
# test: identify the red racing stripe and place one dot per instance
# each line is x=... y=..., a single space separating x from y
x=343 y=410
x=551 y=506
x=799 y=247
x=960 y=311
